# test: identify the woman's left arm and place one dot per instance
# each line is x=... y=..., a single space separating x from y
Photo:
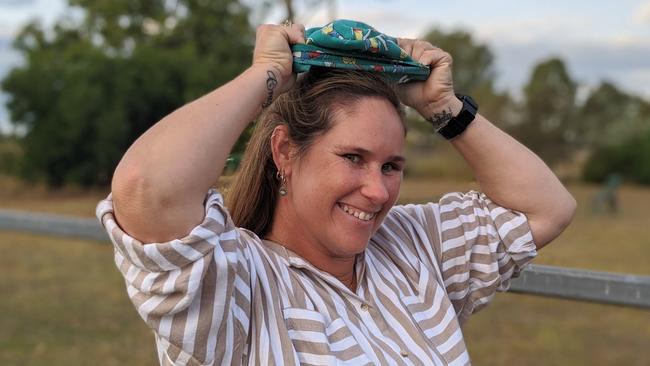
x=514 y=177
x=508 y=173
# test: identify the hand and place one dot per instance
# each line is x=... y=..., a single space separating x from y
x=436 y=94
x=273 y=52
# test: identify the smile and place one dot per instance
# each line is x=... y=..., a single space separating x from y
x=361 y=215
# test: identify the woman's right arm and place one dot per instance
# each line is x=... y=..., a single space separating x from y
x=160 y=184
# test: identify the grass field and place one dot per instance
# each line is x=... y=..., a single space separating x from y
x=64 y=303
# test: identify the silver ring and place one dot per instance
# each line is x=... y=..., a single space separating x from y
x=287 y=23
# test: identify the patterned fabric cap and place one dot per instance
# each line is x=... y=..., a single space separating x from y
x=347 y=44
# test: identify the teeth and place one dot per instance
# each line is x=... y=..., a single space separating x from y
x=365 y=216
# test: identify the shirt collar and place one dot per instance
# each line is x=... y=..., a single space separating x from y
x=292 y=259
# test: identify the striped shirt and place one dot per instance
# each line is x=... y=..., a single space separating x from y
x=223 y=296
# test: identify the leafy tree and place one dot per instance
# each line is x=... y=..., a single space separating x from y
x=615 y=128
x=609 y=116
x=473 y=74
x=630 y=158
x=9 y=154
x=91 y=85
x=473 y=62
x=547 y=124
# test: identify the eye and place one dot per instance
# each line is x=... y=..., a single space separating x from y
x=354 y=158
x=390 y=167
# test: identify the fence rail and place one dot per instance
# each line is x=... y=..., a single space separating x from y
x=582 y=284
x=551 y=281
x=54 y=225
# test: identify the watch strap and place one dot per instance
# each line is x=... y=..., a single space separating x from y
x=458 y=124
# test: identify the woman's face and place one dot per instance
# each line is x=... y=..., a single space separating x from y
x=341 y=189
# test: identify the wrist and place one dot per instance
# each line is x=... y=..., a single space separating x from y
x=456 y=105
x=458 y=124
x=440 y=113
x=269 y=78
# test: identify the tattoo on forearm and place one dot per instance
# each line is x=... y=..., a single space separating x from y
x=440 y=119
x=271 y=83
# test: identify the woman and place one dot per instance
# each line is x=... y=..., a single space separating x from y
x=316 y=265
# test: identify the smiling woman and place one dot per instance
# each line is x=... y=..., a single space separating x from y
x=316 y=265
x=337 y=138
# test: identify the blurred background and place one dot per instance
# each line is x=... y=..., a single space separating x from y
x=81 y=79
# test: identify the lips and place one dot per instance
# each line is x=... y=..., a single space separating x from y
x=359 y=214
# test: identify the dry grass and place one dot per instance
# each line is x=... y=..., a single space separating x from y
x=528 y=330
x=605 y=242
x=64 y=303
x=18 y=195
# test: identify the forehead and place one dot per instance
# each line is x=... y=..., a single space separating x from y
x=370 y=121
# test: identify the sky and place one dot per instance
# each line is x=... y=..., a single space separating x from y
x=598 y=40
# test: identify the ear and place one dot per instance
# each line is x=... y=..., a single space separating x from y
x=282 y=148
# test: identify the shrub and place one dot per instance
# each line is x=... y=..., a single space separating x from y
x=631 y=159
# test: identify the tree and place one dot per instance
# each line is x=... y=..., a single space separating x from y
x=615 y=130
x=548 y=114
x=473 y=74
x=473 y=62
x=629 y=158
x=88 y=88
x=609 y=116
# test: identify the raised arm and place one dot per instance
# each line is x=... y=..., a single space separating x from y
x=159 y=185
x=508 y=173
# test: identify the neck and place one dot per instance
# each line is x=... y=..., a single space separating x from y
x=343 y=268
x=350 y=281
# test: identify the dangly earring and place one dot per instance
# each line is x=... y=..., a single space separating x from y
x=283 y=182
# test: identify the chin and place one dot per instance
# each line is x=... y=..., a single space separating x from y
x=350 y=246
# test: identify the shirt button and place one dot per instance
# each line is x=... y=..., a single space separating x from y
x=364 y=307
x=403 y=353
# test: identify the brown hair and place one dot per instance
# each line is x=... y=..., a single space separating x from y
x=307 y=110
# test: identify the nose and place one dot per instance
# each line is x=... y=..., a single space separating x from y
x=374 y=188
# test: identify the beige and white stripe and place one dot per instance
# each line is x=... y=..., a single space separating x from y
x=223 y=296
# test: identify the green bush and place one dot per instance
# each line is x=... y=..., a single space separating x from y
x=10 y=154
x=631 y=159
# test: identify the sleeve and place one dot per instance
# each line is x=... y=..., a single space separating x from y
x=479 y=246
x=193 y=292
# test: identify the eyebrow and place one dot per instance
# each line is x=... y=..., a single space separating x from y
x=362 y=151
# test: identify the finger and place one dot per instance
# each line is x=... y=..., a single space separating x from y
x=296 y=33
x=435 y=58
x=406 y=44
x=419 y=48
x=427 y=58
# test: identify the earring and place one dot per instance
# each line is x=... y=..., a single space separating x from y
x=283 y=182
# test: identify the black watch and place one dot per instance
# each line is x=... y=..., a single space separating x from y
x=458 y=124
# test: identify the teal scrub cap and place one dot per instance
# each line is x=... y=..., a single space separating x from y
x=348 y=44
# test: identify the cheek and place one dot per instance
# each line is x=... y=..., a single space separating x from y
x=339 y=175
x=393 y=185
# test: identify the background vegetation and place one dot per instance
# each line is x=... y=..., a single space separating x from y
x=96 y=80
